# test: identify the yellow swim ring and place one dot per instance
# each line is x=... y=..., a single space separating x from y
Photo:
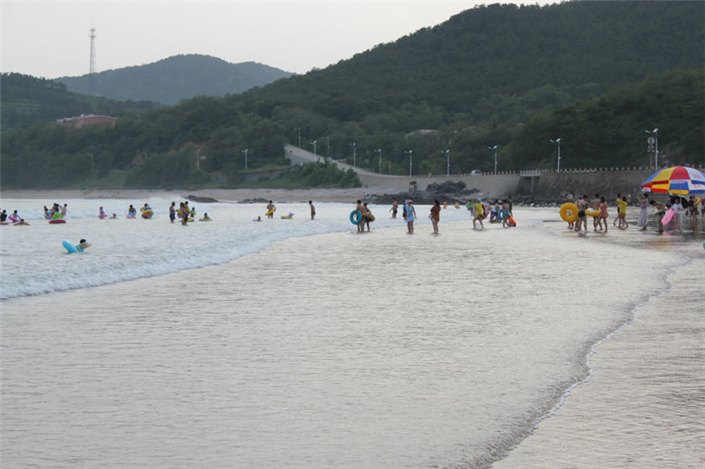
x=569 y=212
x=271 y=212
x=592 y=212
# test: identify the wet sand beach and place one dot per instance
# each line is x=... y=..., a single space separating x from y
x=644 y=406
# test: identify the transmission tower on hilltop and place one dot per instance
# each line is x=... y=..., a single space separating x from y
x=92 y=68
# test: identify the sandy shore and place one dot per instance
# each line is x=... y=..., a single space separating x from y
x=643 y=406
x=225 y=195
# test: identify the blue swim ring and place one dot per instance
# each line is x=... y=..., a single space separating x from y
x=355 y=217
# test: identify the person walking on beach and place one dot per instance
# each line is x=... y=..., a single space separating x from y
x=618 y=218
x=410 y=215
x=506 y=213
x=395 y=207
x=360 y=208
x=479 y=214
x=622 y=212
x=603 y=211
x=583 y=205
x=367 y=217
x=595 y=205
x=643 y=214
x=660 y=212
x=693 y=212
x=435 y=215
x=313 y=209
x=172 y=212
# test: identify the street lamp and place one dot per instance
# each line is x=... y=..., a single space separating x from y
x=411 y=159
x=199 y=158
x=245 y=152
x=353 y=145
x=327 y=147
x=447 y=152
x=314 y=146
x=495 y=156
x=379 y=152
x=299 y=130
x=557 y=142
x=654 y=134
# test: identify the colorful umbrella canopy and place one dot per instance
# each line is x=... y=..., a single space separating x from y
x=678 y=180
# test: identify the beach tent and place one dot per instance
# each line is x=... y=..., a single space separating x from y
x=677 y=180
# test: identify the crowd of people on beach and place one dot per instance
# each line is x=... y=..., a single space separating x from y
x=682 y=209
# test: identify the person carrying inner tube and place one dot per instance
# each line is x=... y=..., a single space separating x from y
x=360 y=208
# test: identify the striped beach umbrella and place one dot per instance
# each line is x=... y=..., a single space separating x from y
x=679 y=180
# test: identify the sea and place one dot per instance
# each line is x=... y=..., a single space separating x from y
x=300 y=343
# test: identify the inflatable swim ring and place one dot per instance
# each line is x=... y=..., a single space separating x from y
x=147 y=213
x=205 y=219
x=355 y=217
x=569 y=212
x=70 y=247
x=56 y=222
x=592 y=212
x=131 y=216
x=271 y=211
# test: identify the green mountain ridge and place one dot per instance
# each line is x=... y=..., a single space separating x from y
x=173 y=79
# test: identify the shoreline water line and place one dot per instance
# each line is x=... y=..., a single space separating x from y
x=591 y=350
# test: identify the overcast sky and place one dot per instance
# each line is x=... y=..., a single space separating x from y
x=51 y=39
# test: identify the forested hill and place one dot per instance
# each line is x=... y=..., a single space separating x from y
x=596 y=74
x=180 y=77
x=26 y=100
x=505 y=61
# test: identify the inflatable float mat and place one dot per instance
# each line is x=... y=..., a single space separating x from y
x=668 y=216
x=56 y=222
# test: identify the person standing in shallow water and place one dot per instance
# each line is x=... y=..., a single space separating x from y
x=361 y=224
x=410 y=216
x=435 y=215
x=270 y=208
x=395 y=207
x=643 y=214
x=313 y=209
